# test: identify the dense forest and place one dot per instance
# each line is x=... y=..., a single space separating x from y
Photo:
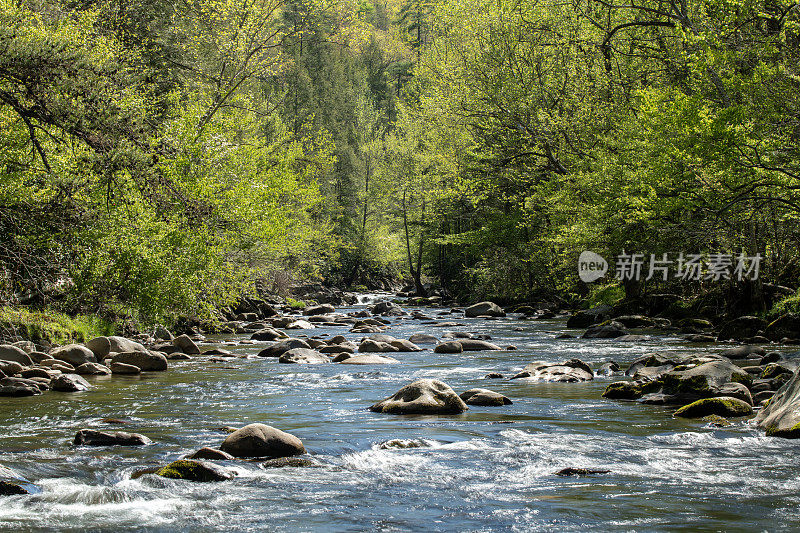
x=164 y=158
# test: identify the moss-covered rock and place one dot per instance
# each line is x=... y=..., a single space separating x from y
x=716 y=421
x=623 y=390
x=781 y=416
x=194 y=471
x=721 y=406
x=290 y=462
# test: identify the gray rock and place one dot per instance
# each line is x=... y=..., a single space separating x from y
x=484 y=309
x=124 y=369
x=743 y=352
x=484 y=397
x=563 y=373
x=260 y=440
x=121 y=344
x=369 y=345
x=210 y=453
x=781 y=417
x=477 y=345
x=403 y=345
x=74 y=354
x=449 y=347
x=146 y=361
x=267 y=334
x=279 y=348
x=424 y=396
x=303 y=356
x=422 y=338
x=323 y=309
x=92 y=369
x=162 y=333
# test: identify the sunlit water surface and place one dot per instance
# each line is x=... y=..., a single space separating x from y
x=490 y=469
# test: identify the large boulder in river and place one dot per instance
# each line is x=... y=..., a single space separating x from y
x=303 y=356
x=692 y=380
x=15 y=354
x=484 y=309
x=781 y=416
x=403 y=345
x=90 y=437
x=279 y=348
x=185 y=345
x=741 y=328
x=484 y=397
x=260 y=440
x=267 y=334
x=423 y=397
x=70 y=383
x=423 y=338
x=146 y=361
x=74 y=354
x=721 y=406
x=194 y=471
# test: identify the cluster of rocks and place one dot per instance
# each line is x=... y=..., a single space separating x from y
x=27 y=369
x=604 y=321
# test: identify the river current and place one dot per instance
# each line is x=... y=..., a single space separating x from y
x=489 y=469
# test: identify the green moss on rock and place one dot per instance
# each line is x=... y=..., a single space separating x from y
x=623 y=390
x=193 y=471
x=721 y=406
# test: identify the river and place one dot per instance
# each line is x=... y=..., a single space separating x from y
x=489 y=469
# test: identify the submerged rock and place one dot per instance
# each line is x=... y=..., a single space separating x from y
x=484 y=397
x=189 y=470
x=424 y=396
x=293 y=462
x=726 y=406
x=261 y=440
x=90 y=437
x=124 y=369
x=572 y=471
x=10 y=488
x=368 y=359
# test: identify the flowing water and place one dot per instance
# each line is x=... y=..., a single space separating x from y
x=489 y=469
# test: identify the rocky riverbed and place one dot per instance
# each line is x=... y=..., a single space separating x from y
x=391 y=417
